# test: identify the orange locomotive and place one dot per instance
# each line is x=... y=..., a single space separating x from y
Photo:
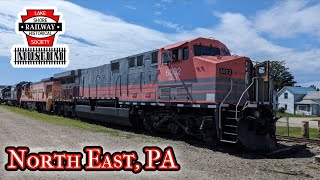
x=40 y=95
x=193 y=88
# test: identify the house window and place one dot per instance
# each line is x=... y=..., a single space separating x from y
x=285 y=107
x=140 y=60
x=302 y=108
x=285 y=95
x=154 y=57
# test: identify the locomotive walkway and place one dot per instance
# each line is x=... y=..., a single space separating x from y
x=196 y=162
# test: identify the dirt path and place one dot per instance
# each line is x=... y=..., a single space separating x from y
x=196 y=163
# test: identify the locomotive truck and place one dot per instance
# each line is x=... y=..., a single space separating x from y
x=194 y=88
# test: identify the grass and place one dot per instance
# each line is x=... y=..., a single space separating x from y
x=71 y=122
x=293 y=131
x=296 y=132
x=293 y=115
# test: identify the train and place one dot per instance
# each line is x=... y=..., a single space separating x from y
x=191 y=88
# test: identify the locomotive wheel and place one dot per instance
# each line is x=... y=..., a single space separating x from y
x=253 y=141
x=148 y=122
x=176 y=131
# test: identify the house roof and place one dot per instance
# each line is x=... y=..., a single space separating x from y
x=297 y=90
x=312 y=95
x=307 y=101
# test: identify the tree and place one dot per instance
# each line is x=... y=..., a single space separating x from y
x=313 y=86
x=280 y=75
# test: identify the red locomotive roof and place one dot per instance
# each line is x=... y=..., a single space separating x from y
x=178 y=44
x=191 y=40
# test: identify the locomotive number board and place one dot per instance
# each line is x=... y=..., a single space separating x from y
x=225 y=71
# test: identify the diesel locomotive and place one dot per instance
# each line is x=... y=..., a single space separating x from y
x=193 y=88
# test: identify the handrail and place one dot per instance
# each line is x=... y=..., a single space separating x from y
x=243 y=94
x=225 y=98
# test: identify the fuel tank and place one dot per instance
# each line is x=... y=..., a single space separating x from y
x=111 y=115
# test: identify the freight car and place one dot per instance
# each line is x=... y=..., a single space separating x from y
x=192 y=88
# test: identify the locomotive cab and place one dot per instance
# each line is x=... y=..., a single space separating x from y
x=199 y=71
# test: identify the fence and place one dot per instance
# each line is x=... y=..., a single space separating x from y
x=299 y=127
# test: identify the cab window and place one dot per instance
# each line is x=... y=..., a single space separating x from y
x=154 y=57
x=175 y=55
x=140 y=60
x=225 y=52
x=185 y=53
x=200 y=50
x=131 y=62
x=166 y=57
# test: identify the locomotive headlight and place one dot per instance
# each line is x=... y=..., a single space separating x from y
x=256 y=114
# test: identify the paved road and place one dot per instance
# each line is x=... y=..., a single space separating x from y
x=196 y=162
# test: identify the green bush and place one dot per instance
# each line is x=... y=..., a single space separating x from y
x=282 y=110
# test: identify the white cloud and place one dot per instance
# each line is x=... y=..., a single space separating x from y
x=307 y=84
x=95 y=38
x=157 y=13
x=289 y=18
x=161 y=6
x=210 y=1
x=169 y=24
x=130 y=7
x=242 y=38
x=166 y=1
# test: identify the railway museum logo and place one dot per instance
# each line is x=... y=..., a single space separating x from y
x=40 y=27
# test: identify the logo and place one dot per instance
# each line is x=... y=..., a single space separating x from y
x=40 y=28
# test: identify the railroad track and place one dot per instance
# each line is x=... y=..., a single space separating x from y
x=297 y=139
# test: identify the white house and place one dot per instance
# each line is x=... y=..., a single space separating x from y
x=309 y=105
x=288 y=96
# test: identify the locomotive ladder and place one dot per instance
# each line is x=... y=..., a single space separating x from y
x=228 y=127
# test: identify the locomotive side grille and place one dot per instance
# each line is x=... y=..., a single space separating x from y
x=181 y=91
x=148 y=95
x=165 y=93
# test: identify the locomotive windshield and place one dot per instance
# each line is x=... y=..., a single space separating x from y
x=205 y=50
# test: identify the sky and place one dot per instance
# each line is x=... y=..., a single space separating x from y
x=99 y=31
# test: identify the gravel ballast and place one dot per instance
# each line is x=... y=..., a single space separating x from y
x=196 y=162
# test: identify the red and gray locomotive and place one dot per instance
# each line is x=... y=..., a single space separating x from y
x=193 y=88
